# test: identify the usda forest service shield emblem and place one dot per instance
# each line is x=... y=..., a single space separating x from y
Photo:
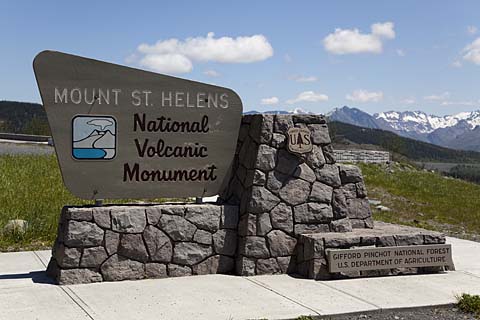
x=299 y=140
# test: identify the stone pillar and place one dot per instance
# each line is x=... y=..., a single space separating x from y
x=282 y=195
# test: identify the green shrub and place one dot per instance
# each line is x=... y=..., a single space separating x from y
x=469 y=303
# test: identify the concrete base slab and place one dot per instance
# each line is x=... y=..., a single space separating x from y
x=199 y=297
x=313 y=294
x=38 y=302
x=24 y=293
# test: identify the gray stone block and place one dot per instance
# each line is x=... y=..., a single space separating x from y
x=202 y=237
x=263 y=224
x=268 y=266
x=190 y=253
x=350 y=173
x=79 y=214
x=173 y=209
x=342 y=225
x=287 y=163
x=262 y=200
x=280 y=243
x=101 y=216
x=282 y=218
x=206 y=216
x=128 y=220
x=153 y=214
x=175 y=270
x=215 y=264
x=315 y=159
x=158 y=244
x=93 y=257
x=329 y=175
x=319 y=133
x=408 y=239
x=245 y=266
x=282 y=123
x=78 y=276
x=132 y=246
x=118 y=268
x=276 y=180
x=247 y=226
x=278 y=140
x=311 y=228
x=112 y=240
x=155 y=270
x=295 y=191
x=321 y=193
x=177 y=227
x=254 y=247
x=225 y=242
x=303 y=171
x=67 y=257
x=83 y=234
x=313 y=212
x=266 y=158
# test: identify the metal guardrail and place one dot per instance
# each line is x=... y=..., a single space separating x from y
x=25 y=137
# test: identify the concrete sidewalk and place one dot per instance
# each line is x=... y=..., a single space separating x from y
x=25 y=293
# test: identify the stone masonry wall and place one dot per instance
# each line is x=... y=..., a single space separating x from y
x=282 y=195
x=365 y=156
x=114 y=243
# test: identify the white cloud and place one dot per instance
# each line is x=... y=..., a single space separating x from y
x=168 y=63
x=438 y=97
x=472 y=52
x=298 y=78
x=350 y=41
x=400 y=53
x=409 y=101
x=472 y=30
x=287 y=58
x=176 y=56
x=269 y=101
x=308 y=96
x=458 y=103
x=456 y=64
x=365 y=96
x=383 y=30
x=211 y=73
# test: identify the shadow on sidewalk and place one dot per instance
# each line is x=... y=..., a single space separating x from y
x=36 y=276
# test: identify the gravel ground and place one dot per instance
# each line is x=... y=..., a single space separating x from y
x=430 y=313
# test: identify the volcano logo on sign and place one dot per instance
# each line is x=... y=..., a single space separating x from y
x=94 y=137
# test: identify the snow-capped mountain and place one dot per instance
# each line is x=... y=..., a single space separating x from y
x=453 y=131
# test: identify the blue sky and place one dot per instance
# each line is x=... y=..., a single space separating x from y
x=419 y=55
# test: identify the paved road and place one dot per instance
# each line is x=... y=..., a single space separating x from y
x=20 y=147
x=25 y=293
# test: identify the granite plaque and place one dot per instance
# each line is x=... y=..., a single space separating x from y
x=120 y=132
x=345 y=260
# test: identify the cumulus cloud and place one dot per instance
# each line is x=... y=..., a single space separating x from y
x=350 y=41
x=472 y=30
x=308 y=96
x=269 y=101
x=364 y=96
x=211 y=73
x=458 y=103
x=471 y=52
x=438 y=97
x=298 y=78
x=456 y=64
x=408 y=101
x=177 y=56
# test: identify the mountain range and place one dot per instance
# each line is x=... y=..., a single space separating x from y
x=459 y=131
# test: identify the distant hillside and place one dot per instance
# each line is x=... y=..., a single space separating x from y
x=23 y=117
x=412 y=149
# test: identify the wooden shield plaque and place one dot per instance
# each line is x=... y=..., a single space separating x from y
x=299 y=140
x=120 y=132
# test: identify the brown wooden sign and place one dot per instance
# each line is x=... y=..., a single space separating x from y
x=299 y=140
x=344 y=260
x=126 y=133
